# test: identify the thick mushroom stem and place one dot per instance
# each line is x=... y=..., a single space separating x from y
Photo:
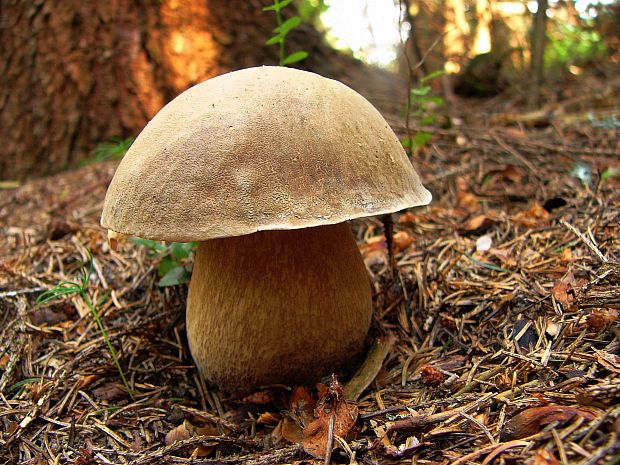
x=277 y=306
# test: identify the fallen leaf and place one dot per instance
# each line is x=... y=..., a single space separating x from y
x=598 y=319
x=431 y=376
x=566 y=256
x=402 y=240
x=108 y=391
x=512 y=174
x=47 y=316
x=564 y=290
x=4 y=361
x=544 y=457
x=184 y=431
x=533 y=420
x=477 y=225
x=506 y=257
x=207 y=430
x=468 y=201
x=535 y=215
x=300 y=414
x=268 y=418
x=333 y=417
x=408 y=218
x=86 y=380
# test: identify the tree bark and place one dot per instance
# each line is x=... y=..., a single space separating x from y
x=77 y=73
x=538 y=51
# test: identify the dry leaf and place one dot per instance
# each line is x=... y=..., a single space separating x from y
x=108 y=391
x=506 y=257
x=535 y=215
x=431 y=376
x=4 y=361
x=512 y=173
x=477 y=225
x=300 y=414
x=207 y=430
x=566 y=255
x=564 y=290
x=86 y=380
x=289 y=430
x=331 y=408
x=47 y=316
x=408 y=218
x=544 y=457
x=184 y=431
x=533 y=420
x=268 y=418
x=598 y=319
x=468 y=201
x=402 y=240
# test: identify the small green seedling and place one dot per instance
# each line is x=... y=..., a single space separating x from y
x=421 y=100
x=114 y=149
x=68 y=288
x=282 y=30
x=173 y=267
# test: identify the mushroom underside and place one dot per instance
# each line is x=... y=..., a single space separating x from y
x=277 y=307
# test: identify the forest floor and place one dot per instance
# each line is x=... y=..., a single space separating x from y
x=496 y=340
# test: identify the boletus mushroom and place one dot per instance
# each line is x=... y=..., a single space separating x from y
x=264 y=167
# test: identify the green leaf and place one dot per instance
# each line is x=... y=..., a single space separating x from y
x=165 y=265
x=274 y=40
x=434 y=99
x=422 y=138
x=153 y=245
x=182 y=249
x=420 y=91
x=288 y=25
x=433 y=75
x=175 y=276
x=295 y=57
x=609 y=172
x=277 y=6
x=406 y=143
x=427 y=120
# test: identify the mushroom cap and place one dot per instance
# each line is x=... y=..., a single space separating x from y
x=263 y=148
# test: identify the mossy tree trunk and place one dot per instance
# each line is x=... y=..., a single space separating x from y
x=76 y=73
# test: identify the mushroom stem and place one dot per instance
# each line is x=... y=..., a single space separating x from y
x=277 y=306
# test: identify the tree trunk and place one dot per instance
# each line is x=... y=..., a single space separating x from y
x=77 y=73
x=538 y=51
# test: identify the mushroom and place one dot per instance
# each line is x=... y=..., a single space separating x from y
x=264 y=167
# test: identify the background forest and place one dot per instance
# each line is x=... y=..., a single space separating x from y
x=495 y=334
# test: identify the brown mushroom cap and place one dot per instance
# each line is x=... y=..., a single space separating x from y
x=260 y=149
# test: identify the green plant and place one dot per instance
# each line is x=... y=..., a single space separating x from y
x=573 y=45
x=173 y=267
x=282 y=30
x=68 y=288
x=311 y=10
x=114 y=149
x=423 y=103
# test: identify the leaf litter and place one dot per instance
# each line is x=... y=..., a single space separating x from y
x=501 y=348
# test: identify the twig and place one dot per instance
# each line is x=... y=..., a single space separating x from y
x=586 y=241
